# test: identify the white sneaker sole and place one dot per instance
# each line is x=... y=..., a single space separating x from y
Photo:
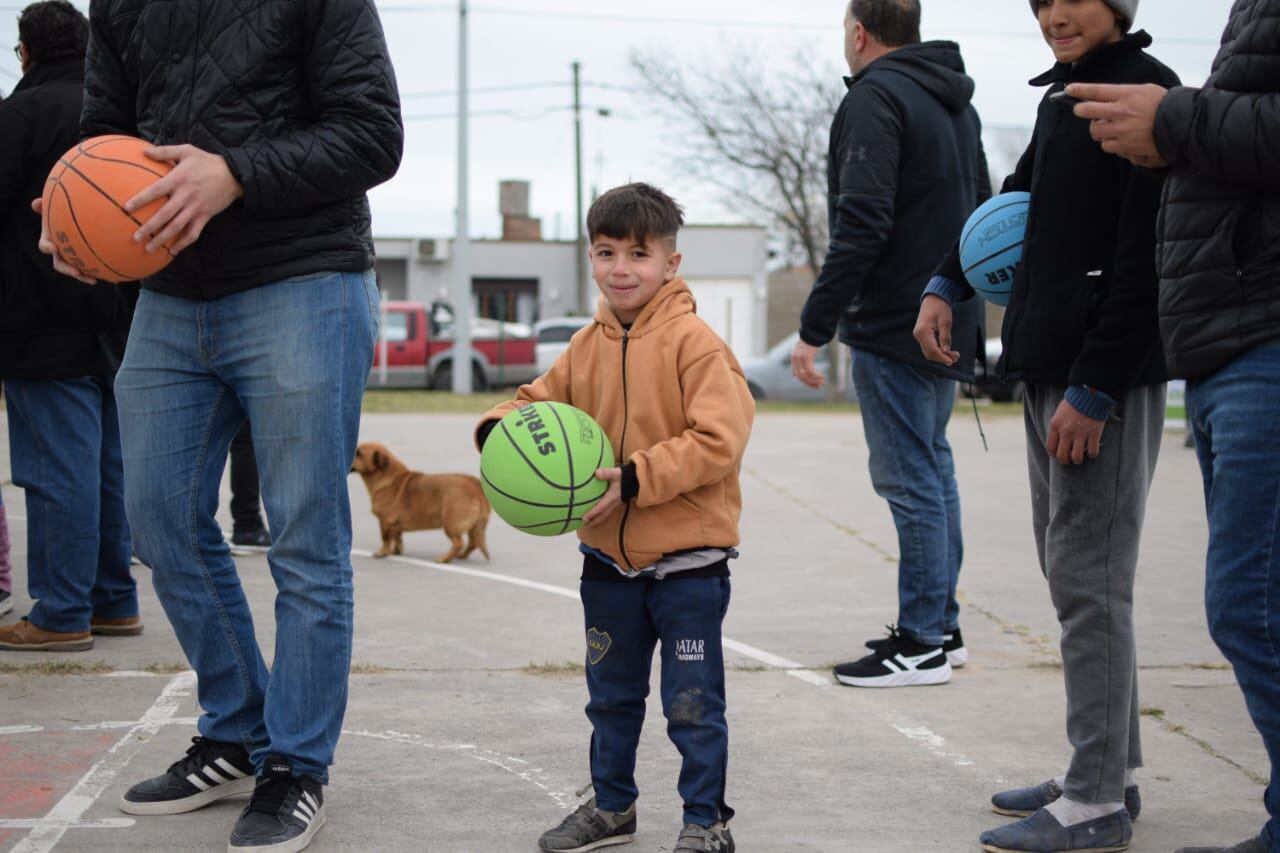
x=958 y=658
x=293 y=845
x=910 y=678
x=189 y=804
x=594 y=845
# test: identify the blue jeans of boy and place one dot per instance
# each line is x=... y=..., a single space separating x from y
x=1234 y=414
x=293 y=357
x=905 y=411
x=64 y=445
x=624 y=622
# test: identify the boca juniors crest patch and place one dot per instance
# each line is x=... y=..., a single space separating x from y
x=598 y=643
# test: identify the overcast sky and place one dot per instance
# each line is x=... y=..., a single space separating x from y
x=521 y=52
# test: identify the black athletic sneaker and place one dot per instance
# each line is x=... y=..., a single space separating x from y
x=259 y=538
x=6 y=602
x=284 y=813
x=704 y=839
x=899 y=662
x=952 y=644
x=589 y=828
x=210 y=771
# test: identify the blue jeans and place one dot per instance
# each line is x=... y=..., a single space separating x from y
x=624 y=621
x=293 y=357
x=1234 y=414
x=905 y=411
x=64 y=445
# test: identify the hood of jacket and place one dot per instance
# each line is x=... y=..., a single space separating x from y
x=673 y=300
x=936 y=66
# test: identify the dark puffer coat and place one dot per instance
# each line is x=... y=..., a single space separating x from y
x=298 y=96
x=1219 y=228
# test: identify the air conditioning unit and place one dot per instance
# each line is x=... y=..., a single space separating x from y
x=433 y=249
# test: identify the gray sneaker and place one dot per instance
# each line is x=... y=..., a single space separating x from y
x=704 y=839
x=1253 y=845
x=589 y=828
x=1024 y=802
x=1041 y=833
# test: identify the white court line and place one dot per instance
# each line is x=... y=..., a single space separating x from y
x=919 y=734
x=44 y=822
x=517 y=767
x=68 y=811
x=19 y=730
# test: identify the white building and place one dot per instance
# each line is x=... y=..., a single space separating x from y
x=525 y=280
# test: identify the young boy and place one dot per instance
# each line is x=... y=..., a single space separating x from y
x=1080 y=332
x=656 y=548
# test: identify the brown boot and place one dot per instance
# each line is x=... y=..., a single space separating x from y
x=26 y=637
x=129 y=626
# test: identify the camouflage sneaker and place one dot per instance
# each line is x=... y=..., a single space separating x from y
x=704 y=839
x=590 y=828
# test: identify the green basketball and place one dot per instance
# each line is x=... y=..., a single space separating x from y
x=538 y=467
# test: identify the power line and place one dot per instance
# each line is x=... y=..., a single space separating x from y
x=724 y=23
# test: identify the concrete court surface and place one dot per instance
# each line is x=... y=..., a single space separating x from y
x=465 y=729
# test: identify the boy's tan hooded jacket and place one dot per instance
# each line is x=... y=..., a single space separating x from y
x=673 y=400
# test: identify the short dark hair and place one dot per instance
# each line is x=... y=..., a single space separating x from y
x=893 y=23
x=52 y=30
x=636 y=211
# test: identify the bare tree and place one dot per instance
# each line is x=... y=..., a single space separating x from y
x=757 y=135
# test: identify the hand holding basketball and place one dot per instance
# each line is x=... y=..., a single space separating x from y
x=611 y=498
x=199 y=188
x=46 y=245
x=933 y=330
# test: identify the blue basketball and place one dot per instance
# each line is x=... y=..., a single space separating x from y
x=991 y=245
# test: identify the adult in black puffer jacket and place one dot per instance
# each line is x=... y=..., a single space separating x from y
x=1219 y=258
x=300 y=101
x=281 y=115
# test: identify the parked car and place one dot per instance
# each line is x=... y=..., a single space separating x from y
x=988 y=384
x=553 y=338
x=419 y=351
x=769 y=377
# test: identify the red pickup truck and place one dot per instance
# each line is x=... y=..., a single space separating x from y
x=418 y=346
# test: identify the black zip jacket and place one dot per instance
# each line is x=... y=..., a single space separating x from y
x=298 y=96
x=1083 y=306
x=1219 y=251
x=906 y=168
x=51 y=326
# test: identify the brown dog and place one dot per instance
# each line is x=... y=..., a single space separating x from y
x=409 y=500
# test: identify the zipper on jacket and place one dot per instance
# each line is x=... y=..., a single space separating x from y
x=622 y=454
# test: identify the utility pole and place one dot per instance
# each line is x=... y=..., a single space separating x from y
x=584 y=304
x=461 y=285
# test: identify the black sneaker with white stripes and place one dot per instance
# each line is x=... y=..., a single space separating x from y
x=898 y=662
x=952 y=644
x=284 y=813
x=210 y=771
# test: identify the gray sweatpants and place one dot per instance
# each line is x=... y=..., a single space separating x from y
x=1088 y=520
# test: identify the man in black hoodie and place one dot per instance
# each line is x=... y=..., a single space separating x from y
x=906 y=169
x=61 y=343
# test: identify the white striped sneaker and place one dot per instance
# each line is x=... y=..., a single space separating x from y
x=210 y=771
x=899 y=662
x=284 y=813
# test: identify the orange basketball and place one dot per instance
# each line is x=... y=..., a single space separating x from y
x=84 y=199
